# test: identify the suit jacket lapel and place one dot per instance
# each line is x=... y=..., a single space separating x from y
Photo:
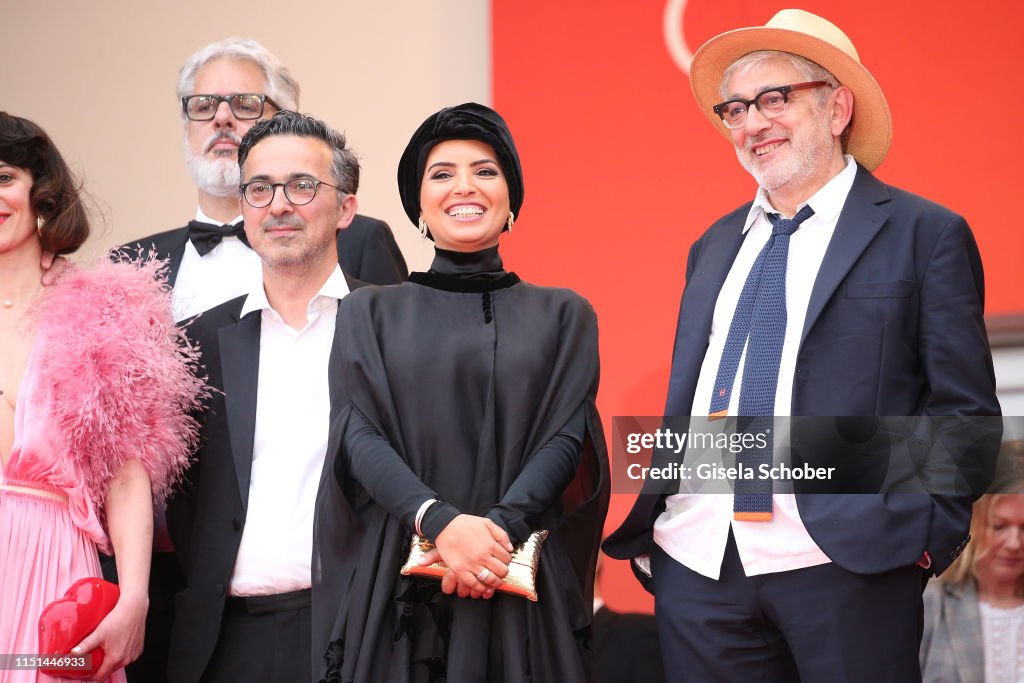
x=174 y=261
x=859 y=222
x=697 y=311
x=240 y=365
x=171 y=247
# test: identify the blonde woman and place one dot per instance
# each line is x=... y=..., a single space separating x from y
x=974 y=615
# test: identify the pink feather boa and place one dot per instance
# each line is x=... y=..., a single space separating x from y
x=121 y=375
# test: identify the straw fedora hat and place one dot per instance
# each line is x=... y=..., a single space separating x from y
x=810 y=36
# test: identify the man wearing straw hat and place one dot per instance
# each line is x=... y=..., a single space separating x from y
x=831 y=294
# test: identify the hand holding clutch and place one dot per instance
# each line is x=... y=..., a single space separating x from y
x=65 y=622
x=522 y=569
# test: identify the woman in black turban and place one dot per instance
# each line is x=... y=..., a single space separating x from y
x=471 y=419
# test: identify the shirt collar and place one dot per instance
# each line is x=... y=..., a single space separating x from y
x=826 y=202
x=203 y=218
x=336 y=287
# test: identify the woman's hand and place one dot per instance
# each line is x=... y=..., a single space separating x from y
x=53 y=267
x=120 y=634
x=130 y=518
x=477 y=552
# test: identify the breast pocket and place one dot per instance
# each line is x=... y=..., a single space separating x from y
x=890 y=289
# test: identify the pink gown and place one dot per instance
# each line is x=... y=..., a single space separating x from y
x=96 y=378
x=45 y=545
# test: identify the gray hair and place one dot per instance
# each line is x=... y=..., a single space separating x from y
x=281 y=87
x=812 y=70
x=344 y=163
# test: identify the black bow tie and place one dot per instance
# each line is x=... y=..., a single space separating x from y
x=205 y=236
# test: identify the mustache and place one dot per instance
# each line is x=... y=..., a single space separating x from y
x=220 y=135
x=769 y=134
x=286 y=221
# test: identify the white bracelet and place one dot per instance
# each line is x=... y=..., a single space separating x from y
x=422 y=511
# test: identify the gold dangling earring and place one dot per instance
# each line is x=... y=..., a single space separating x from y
x=510 y=221
x=423 y=228
x=40 y=222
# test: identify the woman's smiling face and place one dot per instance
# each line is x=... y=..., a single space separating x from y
x=464 y=196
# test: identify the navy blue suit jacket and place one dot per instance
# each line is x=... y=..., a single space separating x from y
x=894 y=327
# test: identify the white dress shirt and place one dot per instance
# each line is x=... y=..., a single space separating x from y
x=293 y=405
x=225 y=272
x=694 y=528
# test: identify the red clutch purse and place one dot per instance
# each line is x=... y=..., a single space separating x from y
x=66 y=622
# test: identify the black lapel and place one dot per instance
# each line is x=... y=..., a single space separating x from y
x=174 y=262
x=240 y=365
x=859 y=222
x=171 y=246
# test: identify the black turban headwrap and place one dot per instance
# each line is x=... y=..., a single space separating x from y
x=469 y=121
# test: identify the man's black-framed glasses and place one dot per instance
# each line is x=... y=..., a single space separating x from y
x=770 y=102
x=245 y=106
x=299 y=191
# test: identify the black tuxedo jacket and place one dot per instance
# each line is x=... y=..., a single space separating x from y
x=894 y=327
x=215 y=498
x=366 y=250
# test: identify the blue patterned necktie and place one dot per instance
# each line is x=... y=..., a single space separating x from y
x=759 y=324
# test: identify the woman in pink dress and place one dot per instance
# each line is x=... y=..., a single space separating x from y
x=96 y=387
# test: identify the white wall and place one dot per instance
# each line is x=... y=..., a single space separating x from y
x=100 y=76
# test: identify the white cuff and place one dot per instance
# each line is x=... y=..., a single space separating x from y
x=643 y=562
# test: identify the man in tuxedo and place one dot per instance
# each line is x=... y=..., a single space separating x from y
x=831 y=294
x=223 y=89
x=245 y=614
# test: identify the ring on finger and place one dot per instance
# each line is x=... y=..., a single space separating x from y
x=484 y=574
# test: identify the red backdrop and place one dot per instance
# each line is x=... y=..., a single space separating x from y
x=623 y=172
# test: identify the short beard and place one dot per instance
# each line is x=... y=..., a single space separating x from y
x=219 y=177
x=810 y=149
x=303 y=256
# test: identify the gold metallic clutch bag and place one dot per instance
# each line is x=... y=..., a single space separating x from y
x=522 y=570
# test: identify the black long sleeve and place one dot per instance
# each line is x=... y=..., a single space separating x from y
x=389 y=480
x=541 y=481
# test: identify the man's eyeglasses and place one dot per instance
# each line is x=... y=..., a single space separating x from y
x=299 y=191
x=771 y=103
x=245 y=106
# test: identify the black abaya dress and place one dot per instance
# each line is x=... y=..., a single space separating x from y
x=470 y=386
